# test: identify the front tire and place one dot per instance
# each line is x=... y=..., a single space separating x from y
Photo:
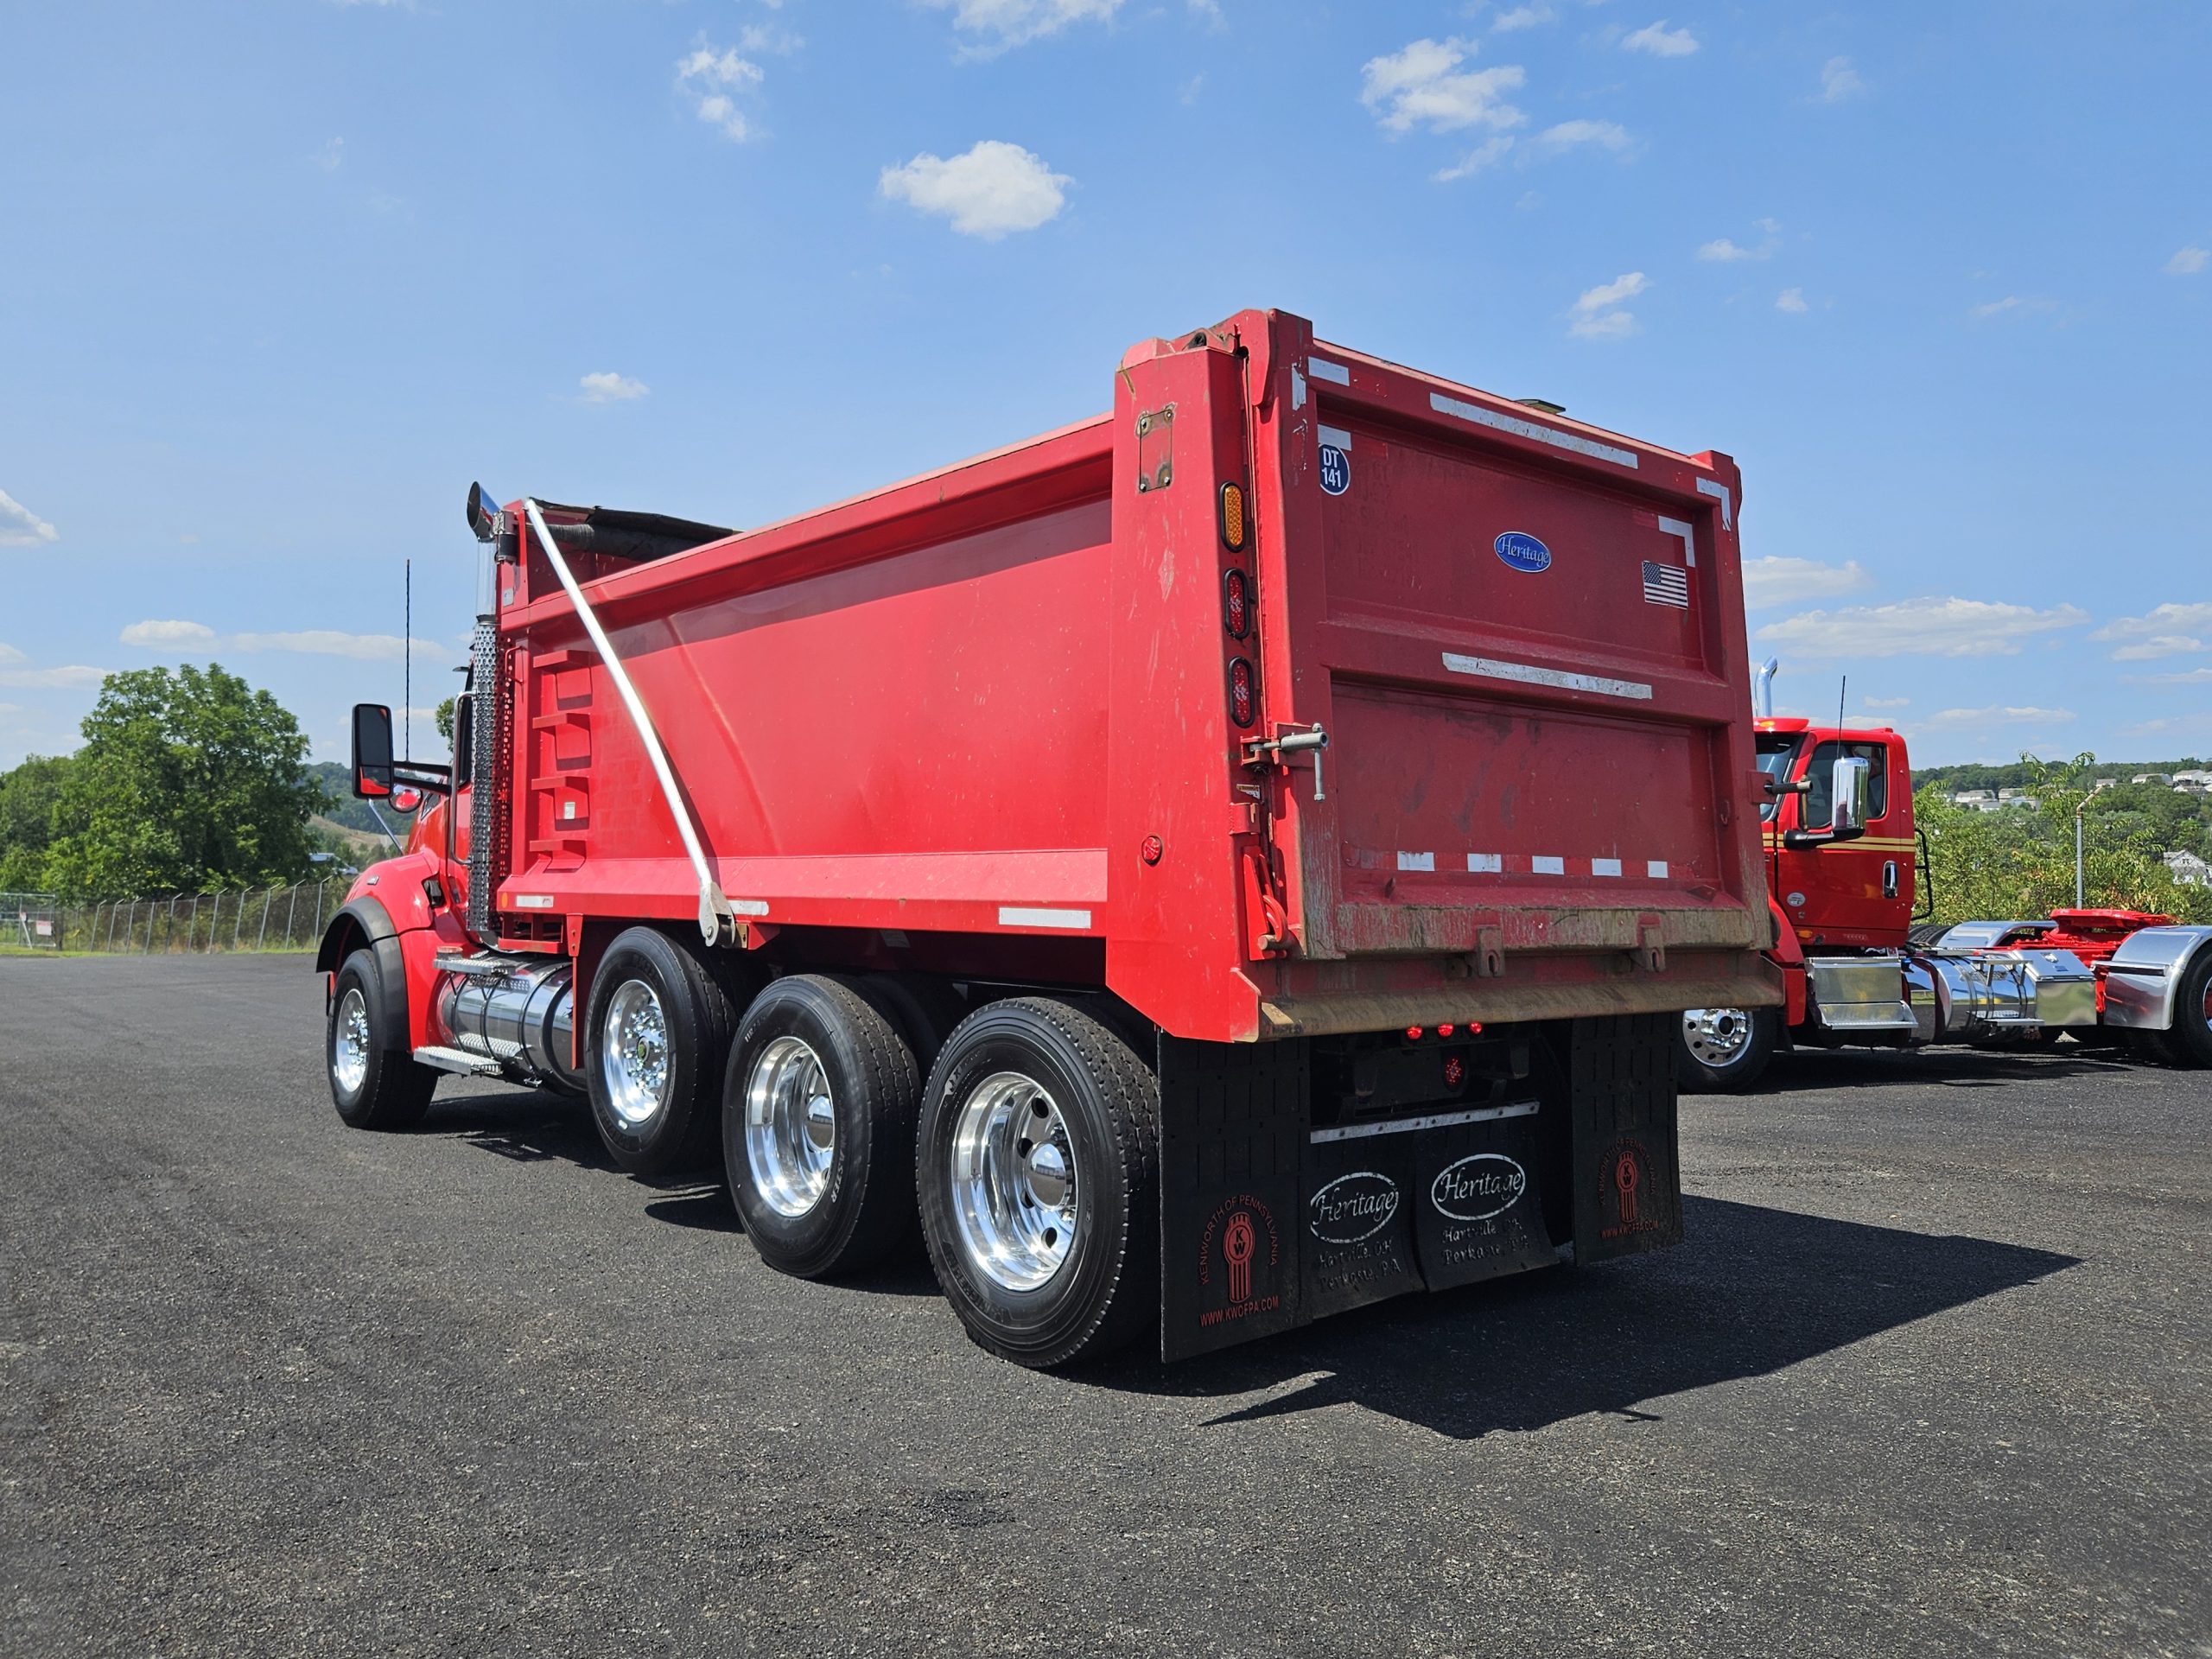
x=818 y=1110
x=375 y=1081
x=654 y=1047
x=1724 y=1051
x=1038 y=1174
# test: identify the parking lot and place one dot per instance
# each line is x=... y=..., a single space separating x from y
x=1927 y=1377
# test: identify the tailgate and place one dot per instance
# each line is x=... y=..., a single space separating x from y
x=1525 y=640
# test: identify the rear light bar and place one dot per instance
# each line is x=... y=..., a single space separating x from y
x=1236 y=604
x=1243 y=695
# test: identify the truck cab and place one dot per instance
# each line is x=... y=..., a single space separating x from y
x=1851 y=893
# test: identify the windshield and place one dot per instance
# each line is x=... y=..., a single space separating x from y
x=1775 y=753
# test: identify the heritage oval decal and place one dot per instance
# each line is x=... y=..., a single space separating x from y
x=1353 y=1207
x=1521 y=551
x=1476 y=1188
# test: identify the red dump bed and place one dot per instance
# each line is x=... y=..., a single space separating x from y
x=987 y=721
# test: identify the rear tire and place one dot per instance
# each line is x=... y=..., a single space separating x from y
x=818 y=1106
x=1724 y=1051
x=375 y=1081
x=654 y=1047
x=1037 y=1172
x=2188 y=1043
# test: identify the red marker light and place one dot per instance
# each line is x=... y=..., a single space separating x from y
x=1236 y=604
x=1414 y=1033
x=1446 y=1029
x=1243 y=700
x=1455 y=1071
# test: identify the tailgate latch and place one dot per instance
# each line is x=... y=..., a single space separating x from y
x=1277 y=750
x=1651 y=947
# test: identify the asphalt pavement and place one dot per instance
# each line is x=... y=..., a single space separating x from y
x=1927 y=1377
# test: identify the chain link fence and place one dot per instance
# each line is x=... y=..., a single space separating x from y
x=31 y=921
x=263 y=918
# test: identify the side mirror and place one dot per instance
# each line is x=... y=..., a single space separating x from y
x=371 y=750
x=406 y=797
x=1850 y=786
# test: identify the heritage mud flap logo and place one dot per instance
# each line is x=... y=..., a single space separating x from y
x=1481 y=1215
x=1359 y=1242
x=1240 y=1257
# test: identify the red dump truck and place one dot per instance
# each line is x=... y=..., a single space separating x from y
x=1231 y=860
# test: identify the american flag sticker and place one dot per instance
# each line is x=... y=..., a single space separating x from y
x=1665 y=584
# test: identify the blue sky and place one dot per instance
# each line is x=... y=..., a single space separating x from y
x=281 y=278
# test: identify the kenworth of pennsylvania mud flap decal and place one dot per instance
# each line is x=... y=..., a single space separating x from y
x=1267 y=1221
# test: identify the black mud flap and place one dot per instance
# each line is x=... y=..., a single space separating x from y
x=1232 y=1136
x=1628 y=1178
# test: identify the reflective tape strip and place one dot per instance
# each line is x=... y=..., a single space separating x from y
x=1714 y=487
x=1321 y=369
x=1486 y=668
x=1521 y=428
x=1416 y=861
x=1024 y=916
x=1485 y=863
x=1333 y=437
x=1678 y=527
x=1548 y=865
x=1434 y=1121
x=1656 y=869
x=1604 y=866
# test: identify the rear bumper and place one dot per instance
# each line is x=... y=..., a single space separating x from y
x=1335 y=998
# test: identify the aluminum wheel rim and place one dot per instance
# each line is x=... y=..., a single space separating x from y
x=1016 y=1187
x=349 y=1048
x=791 y=1127
x=1717 y=1037
x=633 y=1053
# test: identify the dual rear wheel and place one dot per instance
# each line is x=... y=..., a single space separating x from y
x=1023 y=1136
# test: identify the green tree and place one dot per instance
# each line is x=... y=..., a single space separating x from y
x=189 y=779
x=445 y=720
x=2015 y=863
x=29 y=794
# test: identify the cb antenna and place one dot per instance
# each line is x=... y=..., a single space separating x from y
x=407 y=663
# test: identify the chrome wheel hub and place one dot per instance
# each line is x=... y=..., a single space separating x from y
x=633 y=1053
x=349 y=1046
x=791 y=1127
x=1016 y=1188
x=1717 y=1037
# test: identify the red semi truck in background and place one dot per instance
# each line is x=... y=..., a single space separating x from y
x=1856 y=971
x=1233 y=859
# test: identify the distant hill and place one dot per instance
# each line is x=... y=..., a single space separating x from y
x=2019 y=776
x=347 y=813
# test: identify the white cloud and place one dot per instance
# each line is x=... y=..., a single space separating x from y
x=768 y=37
x=15 y=672
x=159 y=635
x=21 y=527
x=177 y=638
x=1660 y=41
x=611 y=388
x=1930 y=626
x=1790 y=298
x=714 y=79
x=1571 y=134
x=1778 y=581
x=1422 y=86
x=1887 y=702
x=2191 y=676
x=331 y=156
x=1597 y=316
x=2012 y=305
x=1006 y=23
x=1488 y=153
x=1723 y=251
x=1523 y=18
x=1998 y=715
x=1838 y=81
x=2167 y=631
x=985 y=191
x=2187 y=261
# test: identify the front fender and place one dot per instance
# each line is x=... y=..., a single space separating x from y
x=364 y=924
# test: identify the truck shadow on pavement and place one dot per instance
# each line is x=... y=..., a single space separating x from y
x=1948 y=1068
x=1751 y=1291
